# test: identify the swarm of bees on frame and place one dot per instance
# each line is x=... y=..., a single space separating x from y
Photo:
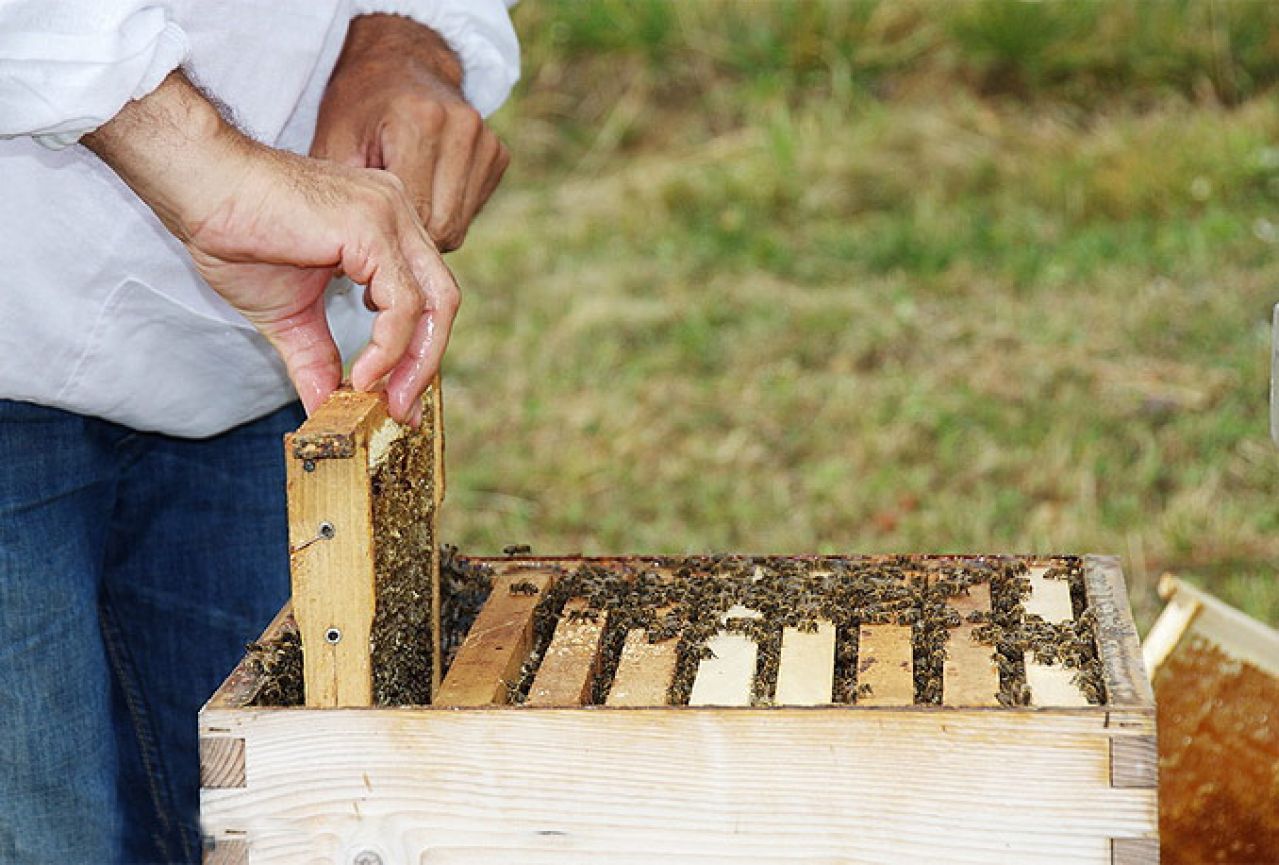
x=400 y=640
x=685 y=598
x=277 y=664
x=1014 y=632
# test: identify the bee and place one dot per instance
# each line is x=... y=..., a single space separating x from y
x=1019 y=694
x=583 y=616
x=908 y=617
x=526 y=588
x=517 y=550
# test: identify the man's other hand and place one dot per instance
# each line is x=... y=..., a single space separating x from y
x=395 y=102
x=269 y=229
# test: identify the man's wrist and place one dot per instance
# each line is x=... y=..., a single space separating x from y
x=378 y=36
x=162 y=145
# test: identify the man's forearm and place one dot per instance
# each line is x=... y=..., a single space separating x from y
x=158 y=144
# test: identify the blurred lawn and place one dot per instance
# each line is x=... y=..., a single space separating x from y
x=859 y=277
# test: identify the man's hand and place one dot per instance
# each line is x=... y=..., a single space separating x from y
x=395 y=102
x=268 y=230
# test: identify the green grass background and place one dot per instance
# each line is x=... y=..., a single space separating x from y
x=862 y=276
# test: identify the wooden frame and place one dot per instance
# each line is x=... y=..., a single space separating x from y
x=704 y=785
x=1192 y=612
x=342 y=465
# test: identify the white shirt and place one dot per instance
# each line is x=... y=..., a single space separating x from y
x=101 y=310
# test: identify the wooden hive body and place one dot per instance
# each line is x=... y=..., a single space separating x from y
x=822 y=773
x=479 y=782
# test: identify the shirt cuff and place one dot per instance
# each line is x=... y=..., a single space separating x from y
x=57 y=89
x=478 y=31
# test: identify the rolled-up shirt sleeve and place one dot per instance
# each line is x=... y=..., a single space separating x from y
x=69 y=66
x=481 y=34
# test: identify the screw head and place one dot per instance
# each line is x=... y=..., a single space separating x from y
x=308 y=465
x=366 y=857
x=333 y=635
x=327 y=531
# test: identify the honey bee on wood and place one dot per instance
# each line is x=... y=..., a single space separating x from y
x=524 y=587
x=517 y=550
x=1015 y=695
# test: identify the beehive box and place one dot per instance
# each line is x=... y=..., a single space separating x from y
x=836 y=760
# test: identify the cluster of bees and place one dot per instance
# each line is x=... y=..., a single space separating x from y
x=277 y=664
x=400 y=641
x=684 y=598
x=1014 y=632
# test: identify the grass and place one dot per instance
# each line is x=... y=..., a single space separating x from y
x=859 y=277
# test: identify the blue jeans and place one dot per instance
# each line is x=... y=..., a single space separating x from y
x=133 y=568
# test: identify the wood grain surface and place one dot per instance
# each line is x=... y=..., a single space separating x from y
x=806 y=670
x=840 y=784
x=885 y=663
x=970 y=676
x=490 y=658
x=569 y=664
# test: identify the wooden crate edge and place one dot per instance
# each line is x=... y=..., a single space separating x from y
x=1118 y=645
